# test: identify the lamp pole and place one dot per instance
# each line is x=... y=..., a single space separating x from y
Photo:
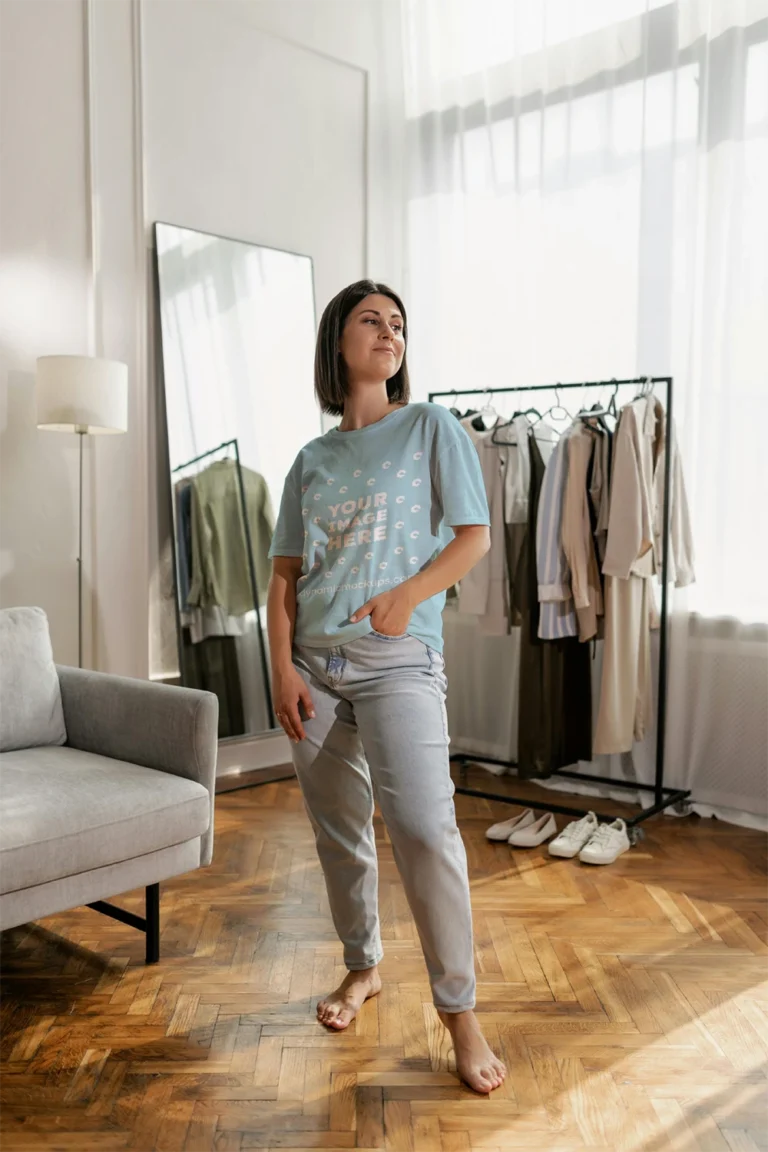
x=85 y=395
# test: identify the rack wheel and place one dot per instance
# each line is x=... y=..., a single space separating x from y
x=635 y=835
x=683 y=808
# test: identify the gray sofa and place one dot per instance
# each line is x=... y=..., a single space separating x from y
x=106 y=784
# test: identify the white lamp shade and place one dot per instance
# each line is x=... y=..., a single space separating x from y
x=82 y=394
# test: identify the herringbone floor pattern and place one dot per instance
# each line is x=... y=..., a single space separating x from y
x=630 y=1004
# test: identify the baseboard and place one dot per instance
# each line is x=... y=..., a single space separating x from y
x=231 y=781
x=244 y=754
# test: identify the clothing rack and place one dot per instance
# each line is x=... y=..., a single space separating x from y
x=664 y=796
x=226 y=444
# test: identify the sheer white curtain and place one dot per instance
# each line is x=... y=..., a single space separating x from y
x=588 y=198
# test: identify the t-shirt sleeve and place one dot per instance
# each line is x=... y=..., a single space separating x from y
x=288 y=537
x=459 y=481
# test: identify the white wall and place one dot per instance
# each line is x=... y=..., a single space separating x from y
x=44 y=277
x=269 y=121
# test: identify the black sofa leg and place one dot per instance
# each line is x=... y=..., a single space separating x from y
x=150 y=924
x=153 y=923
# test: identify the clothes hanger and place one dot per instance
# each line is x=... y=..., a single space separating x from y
x=612 y=410
x=453 y=409
x=556 y=408
x=599 y=413
x=488 y=412
x=488 y=408
x=506 y=424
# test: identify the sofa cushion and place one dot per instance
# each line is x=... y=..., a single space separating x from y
x=30 y=700
x=63 y=811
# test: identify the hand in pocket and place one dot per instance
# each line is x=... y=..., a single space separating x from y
x=390 y=612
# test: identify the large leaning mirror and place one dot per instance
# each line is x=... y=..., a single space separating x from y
x=238 y=334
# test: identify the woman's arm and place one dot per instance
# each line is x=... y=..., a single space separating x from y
x=288 y=688
x=391 y=611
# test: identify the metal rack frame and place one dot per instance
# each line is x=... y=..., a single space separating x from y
x=251 y=566
x=664 y=796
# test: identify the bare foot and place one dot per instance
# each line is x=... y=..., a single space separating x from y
x=475 y=1062
x=340 y=1008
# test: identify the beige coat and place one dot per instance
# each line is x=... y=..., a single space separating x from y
x=637 y=499
x=633 y=553
x=484 y=591
x=576 y=533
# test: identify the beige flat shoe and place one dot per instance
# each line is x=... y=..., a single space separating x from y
x=504 y=830
x=543 y=829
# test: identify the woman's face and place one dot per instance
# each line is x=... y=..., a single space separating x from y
x=372 y=341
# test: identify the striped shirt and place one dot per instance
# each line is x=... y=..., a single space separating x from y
x=557 y=612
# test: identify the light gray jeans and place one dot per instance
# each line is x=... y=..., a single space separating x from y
x=381 y=730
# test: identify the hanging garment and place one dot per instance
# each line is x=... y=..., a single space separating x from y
x=249 y=633
x=220 y=566
x=512 y=439
x=576 y=533
x=626 y=690
x=505 y=465
x=555 y=693
x=214 y=621
x=631 y=559
x=254 y=678
x=557 y=613
x=600 y=490
x=517 y=484
x=483 y=591
x=183 y=501
x=212 y=666
x=681 y=558
x=211 y=620
x=516 y=471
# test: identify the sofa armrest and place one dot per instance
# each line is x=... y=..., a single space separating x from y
x=169 y=729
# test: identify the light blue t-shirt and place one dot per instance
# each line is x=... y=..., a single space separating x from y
x=369 y=508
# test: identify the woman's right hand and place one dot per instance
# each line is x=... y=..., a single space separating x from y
x=289 y=690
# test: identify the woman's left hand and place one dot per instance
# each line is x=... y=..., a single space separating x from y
x=390 y=612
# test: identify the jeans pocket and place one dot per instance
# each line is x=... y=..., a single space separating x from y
x=436 y=660
x=381 y=636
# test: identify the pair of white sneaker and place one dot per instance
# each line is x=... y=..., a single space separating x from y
x=592 y=842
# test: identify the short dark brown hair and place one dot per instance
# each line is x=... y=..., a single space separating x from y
x=331 y=384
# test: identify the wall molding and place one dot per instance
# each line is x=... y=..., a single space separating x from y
x=95 y=329
x=143 y=376
x=136 y=353
x=95 y=311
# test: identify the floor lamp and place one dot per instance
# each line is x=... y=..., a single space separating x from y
x=87 y=396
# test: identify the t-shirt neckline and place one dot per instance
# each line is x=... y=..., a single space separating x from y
x=371 y=427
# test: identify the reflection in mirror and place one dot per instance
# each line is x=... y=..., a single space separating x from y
x=238 y=335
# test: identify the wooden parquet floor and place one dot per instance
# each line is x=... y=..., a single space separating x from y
x=630 y=1004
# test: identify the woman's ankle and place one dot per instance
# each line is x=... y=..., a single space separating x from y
x=463 y=1016
x=368 y=976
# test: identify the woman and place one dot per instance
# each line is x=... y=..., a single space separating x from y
x=362 y=555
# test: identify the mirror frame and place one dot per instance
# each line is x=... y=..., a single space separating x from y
x=165 y=475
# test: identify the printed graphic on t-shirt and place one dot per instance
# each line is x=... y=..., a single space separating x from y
x=370 y=508
x=355 y=530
